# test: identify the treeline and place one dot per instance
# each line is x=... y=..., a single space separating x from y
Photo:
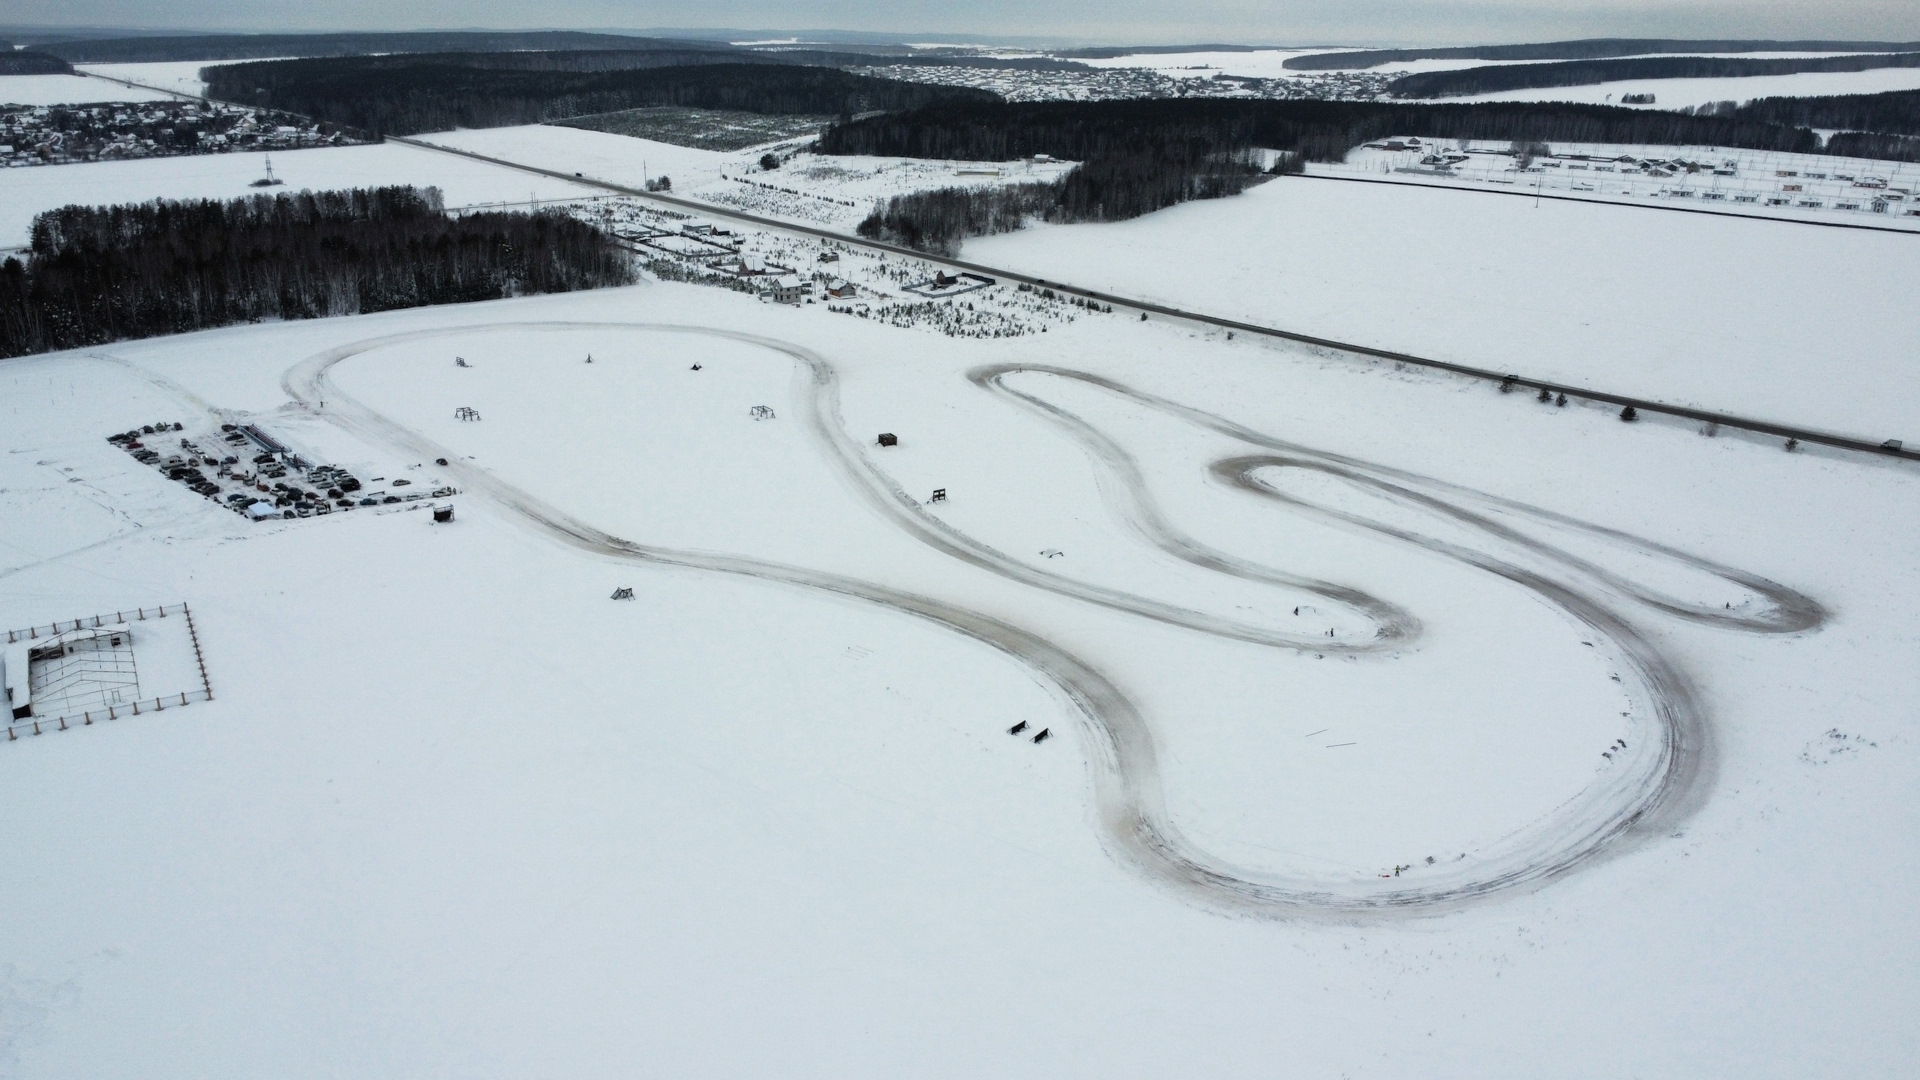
x=1111 y=188
x=27 y=62
x=101 y=274
x=1866 y=144
x=1316 y=130
x=937 y=221
x=1144 y=155
x=254 y=46
x=1896 y=112
x=437 y=92
x=1134 y=158
x=1486 y=80
x=1583 y=49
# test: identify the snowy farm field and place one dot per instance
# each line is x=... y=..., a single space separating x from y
x=1762 y=183
x=25 y=193
x=620 y=159
x=1407 y=67
x=178 y=76
x=1762 y=318
x=1271 y=63
x=1684 y=93
x=1253 y=63
x=69 y=90
x=836 y=191
x=1394 y=724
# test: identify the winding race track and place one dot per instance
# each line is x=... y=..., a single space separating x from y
x=1653 y=787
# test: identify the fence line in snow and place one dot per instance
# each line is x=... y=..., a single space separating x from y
x=39 y=725
x=33 y=633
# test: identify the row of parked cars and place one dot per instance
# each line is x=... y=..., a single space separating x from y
x=268 y=484
x=185 y=465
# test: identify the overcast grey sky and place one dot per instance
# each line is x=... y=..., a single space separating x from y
x=1115 y=21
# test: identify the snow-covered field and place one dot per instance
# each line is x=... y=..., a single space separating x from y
x=69 y=90
x=836 y=191
x=1405 y=67
x=1258 y=63
x=1759 y=183
x=179 y=76
x=1764 y=318
x=454 y=811
x=27 y=192
x=620 y=159
x=1683 y=93
x=1617 y=298
x=1398 y=727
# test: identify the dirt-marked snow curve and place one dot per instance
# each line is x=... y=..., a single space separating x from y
x=1659 y=786
x=1786 y=610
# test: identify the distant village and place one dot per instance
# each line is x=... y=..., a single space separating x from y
x=1127 y=83
x=66 y=134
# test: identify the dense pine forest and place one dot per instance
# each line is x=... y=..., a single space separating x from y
x=100 y=274
x=1584 y=49
x=1136 y=157
x=436 y=92
x=1188 y=130
x=1486 y=80
x=1105 y=189
x=1866 y=144
x=1896 y=112
x=27 y=62
x=936 y=221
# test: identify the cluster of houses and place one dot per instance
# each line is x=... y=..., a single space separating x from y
x=721 y=252
x=1313 y=86
x=1439 y=157
x=1132 y=83
x=794 y=289
x=66 y=134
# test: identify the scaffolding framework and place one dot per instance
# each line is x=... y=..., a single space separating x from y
x=79 y=667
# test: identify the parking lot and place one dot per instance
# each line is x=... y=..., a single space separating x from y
x=250 y=472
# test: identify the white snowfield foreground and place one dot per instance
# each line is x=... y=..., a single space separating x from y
x=1321 y=647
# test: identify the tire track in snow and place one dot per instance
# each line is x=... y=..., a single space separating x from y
x=1788 y=612
x=1663 y=787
